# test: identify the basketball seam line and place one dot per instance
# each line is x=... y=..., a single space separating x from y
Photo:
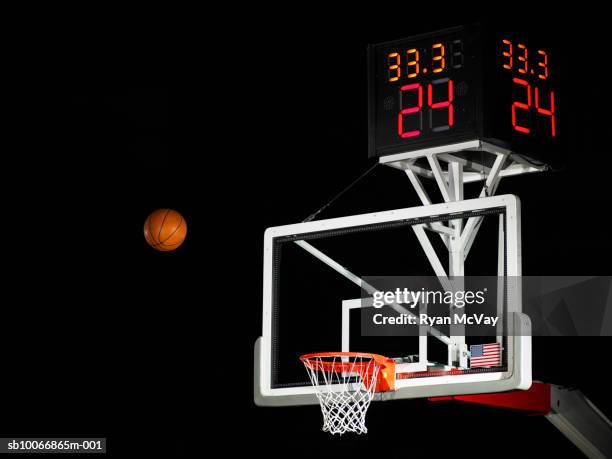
x=172 y=234
x=164 y=244
x=151 y=232
x=164 y=241
x=167 y=245
x=161 y=227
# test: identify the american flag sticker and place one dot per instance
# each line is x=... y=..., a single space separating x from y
x=485 y=355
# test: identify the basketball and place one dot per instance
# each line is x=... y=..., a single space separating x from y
x=165 y=229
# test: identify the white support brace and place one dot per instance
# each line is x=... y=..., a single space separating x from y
x=451 y=188
x=418 y=170
x=430 y=252
x=418 y=187
x=455 y=180
x=424 y=197
x=456 y=263
x=438 y=227
x=470 y=166
x=437 y=172
x=501 y=272
x=473 y=224
x=365 y=286
x=336 y=266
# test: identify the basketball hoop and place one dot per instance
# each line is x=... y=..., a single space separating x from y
x=345 y=383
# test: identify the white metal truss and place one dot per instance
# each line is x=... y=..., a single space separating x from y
x=474 y=169
x=451 y=167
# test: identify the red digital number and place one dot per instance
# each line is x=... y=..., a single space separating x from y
x=548 y=112
x=408 y=111
x=521 y=105
x=441 y=104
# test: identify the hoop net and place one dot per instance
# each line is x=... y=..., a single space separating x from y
x=345 y=383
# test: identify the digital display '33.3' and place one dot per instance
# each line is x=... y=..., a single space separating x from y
x=463 y=84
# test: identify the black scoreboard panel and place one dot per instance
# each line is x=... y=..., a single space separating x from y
x=522 y=98
x=465 y=83
x=424 y=91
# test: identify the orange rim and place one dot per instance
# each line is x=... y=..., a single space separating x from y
x=380 y=360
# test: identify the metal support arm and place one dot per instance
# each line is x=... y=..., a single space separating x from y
x=567 y=409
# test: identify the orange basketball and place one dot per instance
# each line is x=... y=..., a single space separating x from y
x=165 y=229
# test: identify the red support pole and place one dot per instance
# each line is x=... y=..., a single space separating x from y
x=535 y=400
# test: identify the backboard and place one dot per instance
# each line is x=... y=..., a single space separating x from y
x=321 y=280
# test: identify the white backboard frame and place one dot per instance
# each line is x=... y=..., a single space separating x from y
x=518 y=375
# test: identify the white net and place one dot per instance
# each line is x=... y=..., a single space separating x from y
x=344 y=386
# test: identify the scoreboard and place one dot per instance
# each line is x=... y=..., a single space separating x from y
x=461 y=84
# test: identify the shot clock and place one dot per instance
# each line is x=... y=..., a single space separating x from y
x=462 y=84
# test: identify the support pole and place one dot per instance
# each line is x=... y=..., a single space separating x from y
x=567 y=409
x=457 y=355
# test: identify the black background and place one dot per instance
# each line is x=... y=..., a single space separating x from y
x=240 y=120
